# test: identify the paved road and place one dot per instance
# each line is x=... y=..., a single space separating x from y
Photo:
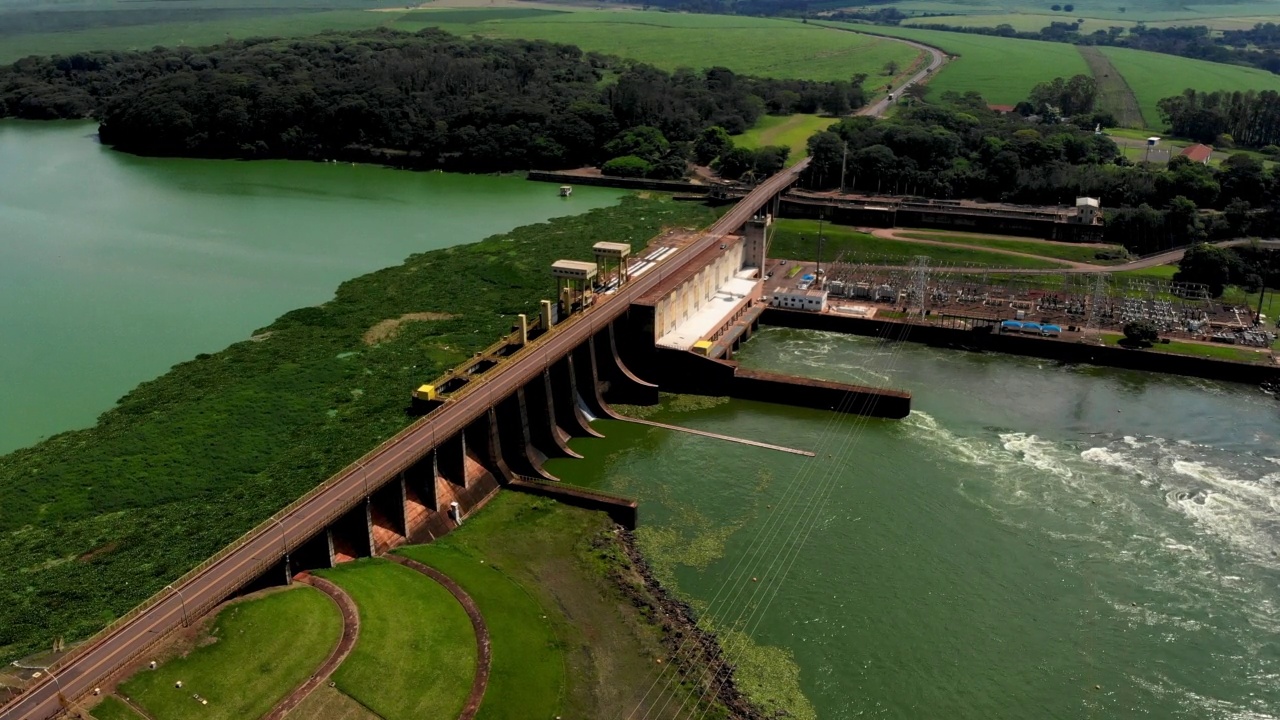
x=88 y=667
x=936 y=58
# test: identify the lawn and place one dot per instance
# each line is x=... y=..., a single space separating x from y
x=527 y=677
x=1003 y=70
x=253 y=654
x=565 y=641
x=1153 y=76
x=1270 y=305
x=416 y=656
x=1159 y=272
x=794 y=240
x=747 y=45
x=112 y=708
x=1074 y=253
x=1205 y=350
x=328 y=703
x=792 y=131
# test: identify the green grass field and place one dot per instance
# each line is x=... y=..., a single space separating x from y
x=754 y=46
x=1153 y=76
x=1003 y=70
x=1151 y=11
x=111 y=708
x=1022 y=22
x=1217 y=352
x=527 y=677
x=795 y=240
x=416 y=656
x=1159 y=272
x=326 y=703
x=1074 y=253
x=1270 y=304
x=257 y=651
x=792 y=131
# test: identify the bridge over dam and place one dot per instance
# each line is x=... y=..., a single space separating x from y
x=672 y=325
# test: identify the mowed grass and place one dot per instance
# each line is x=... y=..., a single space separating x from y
x=797 y=240
x=112 y=708
x=326 y=703
x=791 y=131
x=1159 y=272
x=1002 y=70
x=527 y=677
x=1205 y=350
x=1074 y=253
x=746 y=45
x=255 y=652
x=1153 y=76
x=416 y=656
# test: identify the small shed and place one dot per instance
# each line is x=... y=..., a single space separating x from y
x=1197 y=153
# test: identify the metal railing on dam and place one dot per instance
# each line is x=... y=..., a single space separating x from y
x=115 y=646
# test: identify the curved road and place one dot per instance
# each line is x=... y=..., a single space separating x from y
x=89 y=666
x=936 y=58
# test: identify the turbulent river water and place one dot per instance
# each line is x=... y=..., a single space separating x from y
x=1034 y=541
x=115 y=267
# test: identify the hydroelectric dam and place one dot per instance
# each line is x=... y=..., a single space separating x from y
x=491 y=423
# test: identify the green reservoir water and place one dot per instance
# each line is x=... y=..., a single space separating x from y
x=114 y=267
x=1034 y=541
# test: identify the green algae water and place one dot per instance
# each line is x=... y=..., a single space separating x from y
x=115 y=267
x=1034 y=541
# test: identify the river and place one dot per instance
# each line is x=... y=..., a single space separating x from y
x=1034 y=541
x=115 y=267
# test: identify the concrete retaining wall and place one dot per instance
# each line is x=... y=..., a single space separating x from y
x=1031 y=346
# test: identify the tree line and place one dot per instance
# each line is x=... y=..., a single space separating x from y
x=426 y=99
x=1248 y=118
x=958 y=148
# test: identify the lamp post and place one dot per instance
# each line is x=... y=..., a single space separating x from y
x=284 y=543
x=182 y=599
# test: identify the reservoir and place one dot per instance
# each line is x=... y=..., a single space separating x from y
x=1034 y=541
x=113 y=267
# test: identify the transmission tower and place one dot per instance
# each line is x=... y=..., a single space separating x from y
x=920 y=279
x=1096 y=301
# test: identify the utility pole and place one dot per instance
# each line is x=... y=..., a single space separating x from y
x=819 y=240
x=1257 y=317
x=920 y=280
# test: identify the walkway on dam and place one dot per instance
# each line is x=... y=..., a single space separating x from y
x=264 y=547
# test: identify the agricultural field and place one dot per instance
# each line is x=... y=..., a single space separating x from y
x=1153 y=12
x=791 y=131
x=753 y=46
x=252 y=655
x=1114 y=94
x=416 y=655
x=1154 y=76
x=112 y=708
x=1003 y=70
x=796 y=240
x=1022 y=22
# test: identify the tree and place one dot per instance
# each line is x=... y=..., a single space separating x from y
x=1209 y=265
x=643 y=142
x=735 y=163
x=1055 y=8
x=891 y=68
x=627 y=166
x=1068 y=8
x=1141 y=333
x=711 y=144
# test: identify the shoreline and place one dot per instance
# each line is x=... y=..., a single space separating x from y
x=692 y=649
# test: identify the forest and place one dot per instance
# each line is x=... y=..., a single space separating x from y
x=957 y=147
x=427 y=99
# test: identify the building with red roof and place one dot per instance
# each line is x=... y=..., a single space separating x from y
x=1197 y=153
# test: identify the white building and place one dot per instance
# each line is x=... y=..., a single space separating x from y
x=796 y=299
